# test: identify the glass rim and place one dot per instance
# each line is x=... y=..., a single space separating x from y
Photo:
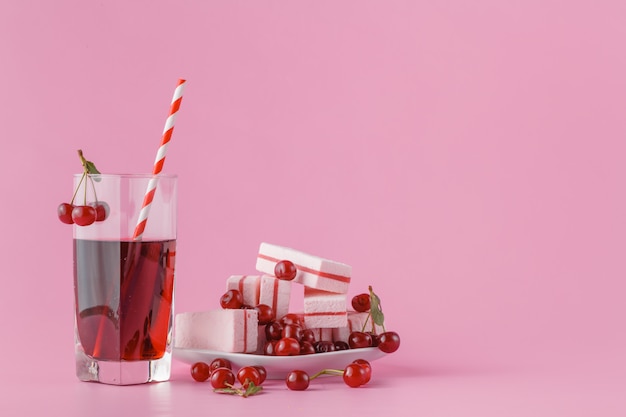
x=139 y=176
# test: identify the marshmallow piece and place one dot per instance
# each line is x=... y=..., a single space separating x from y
x=275 y=293
x=261 y=340
x=248 y=285
x=356 y=321
x=323 y=334
x=324 y=309
x=312 y=271
x=227 y=330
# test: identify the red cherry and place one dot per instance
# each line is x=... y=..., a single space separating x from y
x=273 y=330
x=219 y=363
x=84 y=215
x=247 y=375
x=200 y=371
x=361 y=303
x=341 y=345
x=266 y=314
x=307 y=348
x=358 y=340
x=374 y=337
x=389 y=342
x=270 y=348
x=368 y=369
x=293 y=331
x=297 y=380
x=102 y=210
x=324 y=346
x=291 y=318
x=307 y=336
x=232 y=299
x=287 y=346
x=285 y=270
x=222 y=378
x=262 y=372
x=64 y=211
x=354 y=375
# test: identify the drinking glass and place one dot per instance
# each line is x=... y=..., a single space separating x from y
x=124 y=283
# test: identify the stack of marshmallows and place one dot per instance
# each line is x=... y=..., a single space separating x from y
x=237 y=330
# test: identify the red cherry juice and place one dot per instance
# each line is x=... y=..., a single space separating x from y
x=123 y=296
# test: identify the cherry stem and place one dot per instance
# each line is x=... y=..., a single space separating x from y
x=77 y=188
x=380 y=309
x=369 y=316
x=93 y=186
x=83 y=161
x=326 y=372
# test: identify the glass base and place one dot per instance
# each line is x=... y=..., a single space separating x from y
x=122 y=372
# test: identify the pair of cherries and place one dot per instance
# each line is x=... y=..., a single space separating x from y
x=83 y=215
x=87 y=213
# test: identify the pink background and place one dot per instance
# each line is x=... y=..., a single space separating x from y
x=466 y=158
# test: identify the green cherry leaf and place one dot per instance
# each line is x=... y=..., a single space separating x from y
x=377 y=313
x=91 y=168
x=251 y=390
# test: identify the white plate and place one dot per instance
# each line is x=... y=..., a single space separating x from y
x=278 y=367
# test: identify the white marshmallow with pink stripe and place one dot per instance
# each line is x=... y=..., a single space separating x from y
x=227 y=330
x=248 y=285
x=323 y=309
x=323 y=334
x=262 y=289
x=275 y=293
x=312 y=271
x=261 y=340
x=356 y=321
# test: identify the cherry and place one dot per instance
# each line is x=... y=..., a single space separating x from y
x=389 y=342
x=222 y=378
x=200 y=371
x=341 y=345
x=102 y=210
x=361 y=302
x=219 y=363
x=368 y=369
x=83 y=215
x=375 y=338
x=270 y=348
x=324 y=346
x=248 y=375
x=232 y=299
x=287 y=346
x=354 y=375
x=64 y=211
x=262 y=372
x=297 y=380
x=306 y=348
x=285 y=270
x=292 y=330
x=273 y=330
x=266 y=314
x=291 y=318
x=307 y=336
x=358 y=340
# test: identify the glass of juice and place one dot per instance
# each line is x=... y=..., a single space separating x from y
x=124 y=282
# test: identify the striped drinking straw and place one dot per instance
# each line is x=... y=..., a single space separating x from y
x=159 y=160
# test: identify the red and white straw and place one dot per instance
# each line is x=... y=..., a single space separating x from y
x=159 y=160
